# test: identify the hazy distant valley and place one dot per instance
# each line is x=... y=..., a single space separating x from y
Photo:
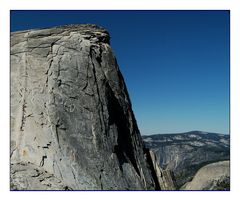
x=185 y=153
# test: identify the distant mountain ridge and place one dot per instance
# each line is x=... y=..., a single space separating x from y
x=185 y=153
x=188 y=132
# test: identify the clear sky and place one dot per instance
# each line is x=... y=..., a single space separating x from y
x=175 y=63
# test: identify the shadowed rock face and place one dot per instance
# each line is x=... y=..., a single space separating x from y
x=70 y=111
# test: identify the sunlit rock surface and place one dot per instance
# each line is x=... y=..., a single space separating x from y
x=215 y=176
x=71 y=115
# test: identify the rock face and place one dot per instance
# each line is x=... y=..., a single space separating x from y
x=215 y=176
x=71 y=115
x=185 y=153
x=27 y=176
x=164 y=177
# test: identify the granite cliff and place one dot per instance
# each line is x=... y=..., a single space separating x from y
x=185 y=153
x=72 y=124
x=214 y=176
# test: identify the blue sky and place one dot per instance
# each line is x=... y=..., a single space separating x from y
x=175 y=63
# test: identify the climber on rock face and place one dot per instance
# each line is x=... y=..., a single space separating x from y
x=42 y=161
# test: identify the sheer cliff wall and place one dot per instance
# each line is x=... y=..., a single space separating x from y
x=71 y=115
